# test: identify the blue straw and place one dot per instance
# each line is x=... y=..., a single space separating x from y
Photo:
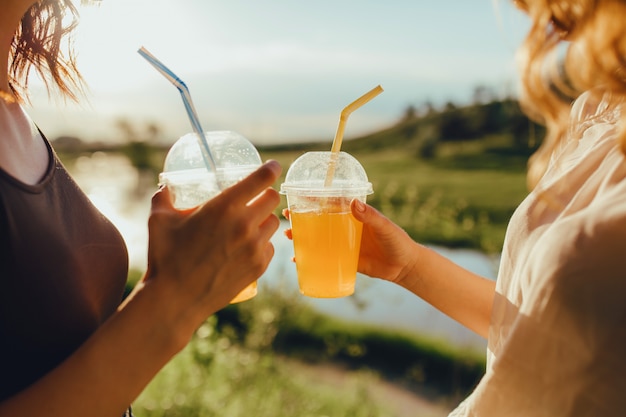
x=191 y=111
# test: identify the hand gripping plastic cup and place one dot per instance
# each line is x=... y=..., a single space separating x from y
x=190 y=183
x=326 y=237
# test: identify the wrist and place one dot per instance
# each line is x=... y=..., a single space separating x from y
x=411 y=273
x=168 y=322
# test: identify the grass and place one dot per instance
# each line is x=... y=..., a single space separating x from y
x=426 y=365
x=244 y=361
x=214 y=377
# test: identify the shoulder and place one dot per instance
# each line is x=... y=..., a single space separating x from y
x=593 y=118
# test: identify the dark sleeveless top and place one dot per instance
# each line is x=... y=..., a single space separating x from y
x=63 y=267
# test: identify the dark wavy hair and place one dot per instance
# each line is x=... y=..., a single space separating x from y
x=37 y=44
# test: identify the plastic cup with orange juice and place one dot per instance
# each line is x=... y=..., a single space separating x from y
x=190 y=182
x=326 y=237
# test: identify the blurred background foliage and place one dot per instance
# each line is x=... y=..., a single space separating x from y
x=259 y=358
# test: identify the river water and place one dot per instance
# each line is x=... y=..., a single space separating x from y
x=123 y=195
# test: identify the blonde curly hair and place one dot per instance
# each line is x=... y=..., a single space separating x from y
x=37 y=43
x=595 y=31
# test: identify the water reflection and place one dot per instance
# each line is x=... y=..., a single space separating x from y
x=120 y=192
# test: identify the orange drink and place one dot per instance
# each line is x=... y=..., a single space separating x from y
x=326 y=246
x=326 y=236
x=327 y=239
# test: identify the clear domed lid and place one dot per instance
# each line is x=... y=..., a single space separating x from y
x=229 y=149
x=234 y=156
x=307 y=176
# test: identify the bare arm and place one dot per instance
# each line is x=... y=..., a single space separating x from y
x=194 y=269
x=387 y=252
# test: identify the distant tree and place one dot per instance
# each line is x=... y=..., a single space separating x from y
x=526 y=134
x=428 y=143
x=483 y=94
x=68 y=144
x=149 y=132
x=409 y=130
x=428 y=108
x=138 y=143
x=488 y=118
x=128 y=130
x=449 y=107
x=409 y=122
x=410 y=113
x=153 y=131
x=453 y=124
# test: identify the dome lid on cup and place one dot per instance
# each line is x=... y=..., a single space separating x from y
x=229 y=149
x=307 y=176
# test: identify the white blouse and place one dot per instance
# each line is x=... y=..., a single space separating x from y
x=557 y=340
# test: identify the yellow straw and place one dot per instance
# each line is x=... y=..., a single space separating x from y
x=342 y=127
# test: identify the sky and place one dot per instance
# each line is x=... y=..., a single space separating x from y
x=280 y=71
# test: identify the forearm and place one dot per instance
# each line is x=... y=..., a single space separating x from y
x=114 y=365
x=455 y=291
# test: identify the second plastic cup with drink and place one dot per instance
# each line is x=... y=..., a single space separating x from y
x=190 y=183
x=326 y=236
